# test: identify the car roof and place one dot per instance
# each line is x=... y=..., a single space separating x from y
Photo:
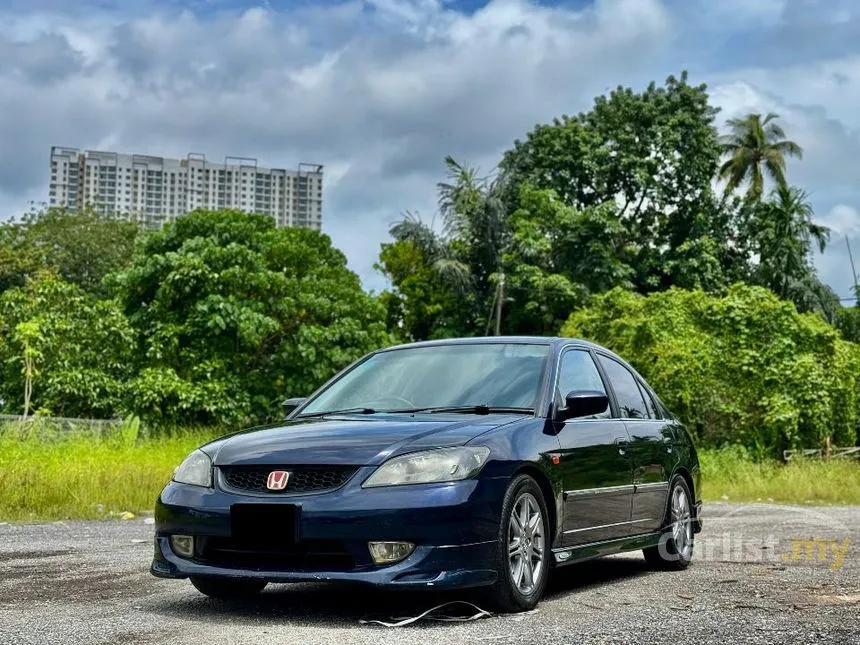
x=492 y=340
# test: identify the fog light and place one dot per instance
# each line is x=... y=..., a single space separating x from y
x=389 y=552
x=182 y=545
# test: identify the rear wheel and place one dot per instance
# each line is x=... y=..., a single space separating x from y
x=227 y=588
x=523 y=548
x=675 y=550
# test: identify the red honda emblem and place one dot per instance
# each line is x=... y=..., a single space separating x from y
x=277 y=480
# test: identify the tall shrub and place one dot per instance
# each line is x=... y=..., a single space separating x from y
x=742 y=368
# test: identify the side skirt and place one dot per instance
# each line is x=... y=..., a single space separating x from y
x=582 y=552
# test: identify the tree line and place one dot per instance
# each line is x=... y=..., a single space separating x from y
x=210 y=321
x=219 y=316
x=641 y=192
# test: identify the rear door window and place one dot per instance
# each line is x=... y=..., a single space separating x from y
x=631 y=404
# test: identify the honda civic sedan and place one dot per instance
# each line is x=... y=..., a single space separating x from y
x=446 y=464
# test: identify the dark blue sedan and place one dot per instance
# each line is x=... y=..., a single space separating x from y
x=448 y=464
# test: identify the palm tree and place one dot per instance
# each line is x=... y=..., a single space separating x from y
x=787 y=235
x=755 y=146
x=436 y=249
x=473 y=211
x=475 y=234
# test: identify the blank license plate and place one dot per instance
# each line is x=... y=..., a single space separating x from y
x=274 y=524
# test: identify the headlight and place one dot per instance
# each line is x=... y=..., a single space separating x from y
x=440 y=465
x=195 y=470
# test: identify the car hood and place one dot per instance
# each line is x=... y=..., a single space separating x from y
x=354 y=441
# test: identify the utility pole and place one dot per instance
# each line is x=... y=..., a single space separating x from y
x=500 y=298
x=853 y=272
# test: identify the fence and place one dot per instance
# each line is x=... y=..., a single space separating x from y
x=45 y=426
x=835 y=453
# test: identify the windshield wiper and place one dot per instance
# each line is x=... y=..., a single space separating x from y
x=468 y=409
x=326 y=413
x=460 y=409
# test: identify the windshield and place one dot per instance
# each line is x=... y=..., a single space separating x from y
x=497 y=375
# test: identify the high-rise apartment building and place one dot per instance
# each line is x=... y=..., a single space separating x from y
x=155 y=190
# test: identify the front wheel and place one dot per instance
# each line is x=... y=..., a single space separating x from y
x=523 y=548
x=227 y=588
x=675 y=549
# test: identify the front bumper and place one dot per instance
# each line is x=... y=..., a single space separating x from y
x=454 y=527
x=448 y=566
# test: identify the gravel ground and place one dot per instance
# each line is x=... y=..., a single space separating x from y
x=88 y=582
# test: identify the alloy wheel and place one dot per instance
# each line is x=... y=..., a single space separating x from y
x=682 y=522
x=526 y=544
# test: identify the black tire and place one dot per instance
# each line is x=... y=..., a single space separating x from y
x=671 y=554
x=227 y=588
x=506 y=595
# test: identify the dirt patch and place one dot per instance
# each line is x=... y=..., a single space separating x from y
x=64 y=581
x=846 y=599
x=134 y=638
x=11 y=556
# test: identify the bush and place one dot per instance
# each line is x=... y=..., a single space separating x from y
x=848 y=322
x=743 y=368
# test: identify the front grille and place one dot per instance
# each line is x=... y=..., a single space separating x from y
x=308 y=555
x=303 y=479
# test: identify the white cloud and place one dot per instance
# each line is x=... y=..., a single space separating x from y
x=380 y=91
x=379 y=101
x=753 y=13
x=842 y=220
x=832 y=84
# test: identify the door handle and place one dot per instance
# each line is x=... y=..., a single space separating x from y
x=622 y=446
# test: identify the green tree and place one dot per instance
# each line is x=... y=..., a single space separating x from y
x=29 y=335
x=81 y=248
x=648 y=160
x=755 y=146
x=423 y=304
x=559 y=256
x=619 y=196
x=17 y=263
x=62 y=351
x=233 y=315
x=650 y=150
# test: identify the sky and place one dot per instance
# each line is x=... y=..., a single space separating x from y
x=379 y=91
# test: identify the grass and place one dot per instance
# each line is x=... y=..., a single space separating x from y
x=85 y=476
x=729 y=475
x=52 y=476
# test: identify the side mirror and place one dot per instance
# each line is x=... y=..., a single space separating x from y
x=291 y=404
x=582 y=403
